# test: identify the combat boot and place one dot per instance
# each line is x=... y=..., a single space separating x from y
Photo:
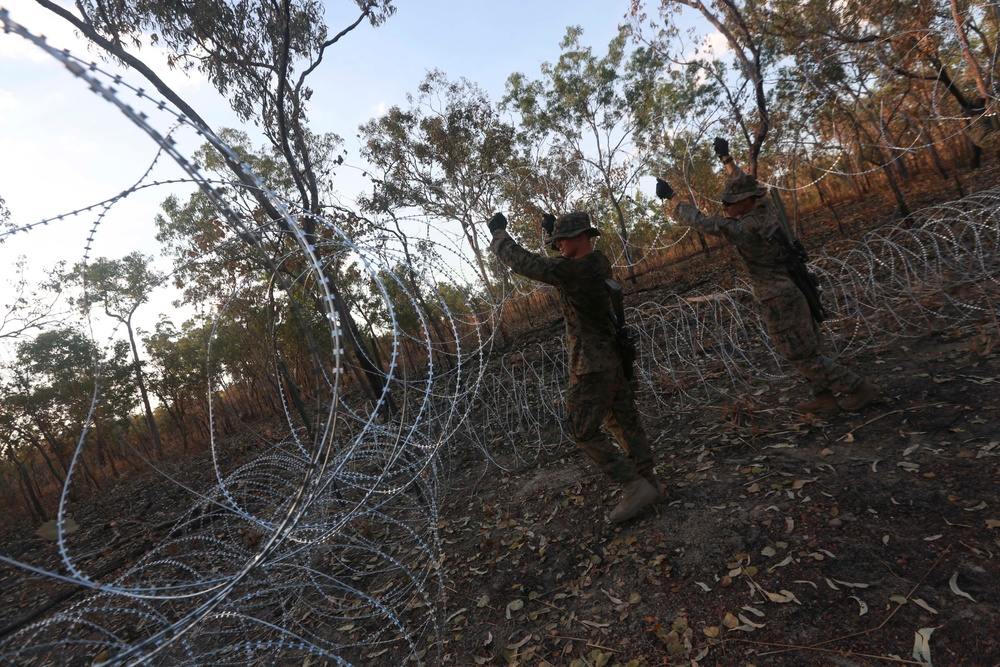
x=863 y=395
x=823 y=404
x=636 y=495
x=658 y=485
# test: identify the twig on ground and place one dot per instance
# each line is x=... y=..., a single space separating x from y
x=892 y=412
x=783 y=648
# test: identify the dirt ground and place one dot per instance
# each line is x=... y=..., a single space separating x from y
x=865 y=539
x=785 y=540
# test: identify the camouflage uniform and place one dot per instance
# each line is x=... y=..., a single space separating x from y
x=598 y=391
x=783 y=307
x=983 y=133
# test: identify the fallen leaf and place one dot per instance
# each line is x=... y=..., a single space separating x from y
x=783 y=563
x=346 y=627
x=595 y=624
x=768 y=552
x=711 y=631
x=782 y=597
x=514 y=605
x=754 y=611
x=921 y=603
x=992 y=523
x=922 y=646
x=49 y=530
x=953 y=583
x=704 y=586
x=862 y=603
x=747 y=621
x=981 y=506
x=899 y=599
x=730 y=621
x=850 y=584
x=611 y=597
x=514 y=647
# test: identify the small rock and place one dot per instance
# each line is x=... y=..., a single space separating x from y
x=835 y=523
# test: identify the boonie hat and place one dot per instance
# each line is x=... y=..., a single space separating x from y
x=569 y=225
x=741 y=187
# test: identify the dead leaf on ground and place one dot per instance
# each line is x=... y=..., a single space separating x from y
x=953 y=584
x=922 y=646
x=49 y=530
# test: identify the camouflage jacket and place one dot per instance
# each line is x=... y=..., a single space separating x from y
x=983 y=134
x=590 y=334
x=751 y=233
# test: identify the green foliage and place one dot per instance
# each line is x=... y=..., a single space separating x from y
x=600 y=114
x=119 y=285
x=237 y=44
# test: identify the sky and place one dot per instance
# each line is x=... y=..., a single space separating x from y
x=65 y=148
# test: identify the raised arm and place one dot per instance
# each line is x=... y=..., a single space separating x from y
x=518 y=259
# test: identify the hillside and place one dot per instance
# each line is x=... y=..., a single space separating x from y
x=786 y=540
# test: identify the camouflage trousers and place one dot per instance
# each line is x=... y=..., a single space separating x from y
x=797 y=337
x=607 y=398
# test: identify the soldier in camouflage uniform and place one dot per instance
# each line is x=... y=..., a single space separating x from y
x=598 y=390
x=751 y=226
x=983 y=130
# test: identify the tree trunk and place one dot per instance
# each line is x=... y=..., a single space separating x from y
x=826 y=202
x=32 y=502
x=623 y=235
x=904 y=209
x=136 y=364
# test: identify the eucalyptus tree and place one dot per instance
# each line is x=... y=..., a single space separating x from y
x=259 y=54
x=756 y=51
x=28 y=305
x=447 y=154
x=584 y=109
x=61 y=386
x=119 y=287
x=180 y=372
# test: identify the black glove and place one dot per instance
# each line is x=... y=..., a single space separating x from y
x=548 y=223
x=498 y=221
x=721 y=147
x=663 y=189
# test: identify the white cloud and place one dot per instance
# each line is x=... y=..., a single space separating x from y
x=7 y=101
x=716 y=44
x=380 y=109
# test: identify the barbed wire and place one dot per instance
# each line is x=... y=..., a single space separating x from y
x=326 y=542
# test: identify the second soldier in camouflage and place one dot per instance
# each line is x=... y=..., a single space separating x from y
x=752 y=226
